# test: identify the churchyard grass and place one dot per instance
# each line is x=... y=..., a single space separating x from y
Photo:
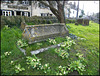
x=87 y=44
x=88 y=47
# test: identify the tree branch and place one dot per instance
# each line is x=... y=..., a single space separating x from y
x=48 y=5
x=55 y=12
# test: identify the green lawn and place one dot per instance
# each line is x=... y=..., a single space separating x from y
x=89 y=48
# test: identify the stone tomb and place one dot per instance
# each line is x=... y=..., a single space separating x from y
x=36 y=33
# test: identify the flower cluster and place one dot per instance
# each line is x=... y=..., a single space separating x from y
x=45 y=68
x=39 y=43
x=12 y=62
x=18 y=68
x=67 y=44
x=21 y=43
x=33 y=62
x=81 y=58
x=61 y=70
x=79 y=55
x=62 y=53
x=7 y=53
x=52 y=41
x=6 y=27
x=77 y=65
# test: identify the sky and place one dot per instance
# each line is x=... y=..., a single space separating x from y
x=89 y=7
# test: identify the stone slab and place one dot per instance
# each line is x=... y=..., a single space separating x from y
x=40 y=50
x=35 y=33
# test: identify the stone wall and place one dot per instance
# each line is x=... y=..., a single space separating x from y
x=35 y=33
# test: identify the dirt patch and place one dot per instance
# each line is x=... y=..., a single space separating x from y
x=74 y=73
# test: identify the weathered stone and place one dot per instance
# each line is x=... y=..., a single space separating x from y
x=35 y=33
x=40 y=50
x=83 y=21
x=23 y=24
x=80 y=21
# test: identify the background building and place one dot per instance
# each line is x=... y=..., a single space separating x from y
x=71 y=10
x=24 y=8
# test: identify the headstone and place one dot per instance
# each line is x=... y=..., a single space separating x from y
x=83 y=21
x=80 y=21
x=36 y=33
x=23 y=24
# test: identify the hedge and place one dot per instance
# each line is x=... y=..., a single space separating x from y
x=16 y=20
x=70 y=21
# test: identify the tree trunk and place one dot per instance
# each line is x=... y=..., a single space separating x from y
x=61 y=13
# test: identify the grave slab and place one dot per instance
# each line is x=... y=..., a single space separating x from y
x=36 y=33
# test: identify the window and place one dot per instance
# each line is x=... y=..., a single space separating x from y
x=22 y=13
x=25 y=2
x=41 y=14
x=50 y=14
x=73 y=12
x=45 y=14
x=4 y=13
x=0 y=12
x=25 y=13
x=28 y=14
x=12 y=13
x=42 y=6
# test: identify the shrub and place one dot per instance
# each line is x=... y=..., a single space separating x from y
x=44 y=22
x=30 y=23
x=76 y=23
x=51 y=41
x=33 y=62
x=16 y=20
x=18 y=68
x=70 y=21
x=61 y=70
x=6 y=27
x=21 y=43
x=77 y=65
x=46 y=68
x=39 y=21
x=49 y=22
x=62 y=53
x=28 y=49
x=36 y=21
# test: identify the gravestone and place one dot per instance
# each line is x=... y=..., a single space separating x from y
x=36 y=33
x=80 y=21
x=84 y=21
x=23 y=24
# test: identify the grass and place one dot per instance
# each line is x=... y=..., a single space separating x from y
x=88 y=47
x=91 y=34
x=44 y=44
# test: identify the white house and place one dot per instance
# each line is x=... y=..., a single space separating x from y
x=71 y=10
